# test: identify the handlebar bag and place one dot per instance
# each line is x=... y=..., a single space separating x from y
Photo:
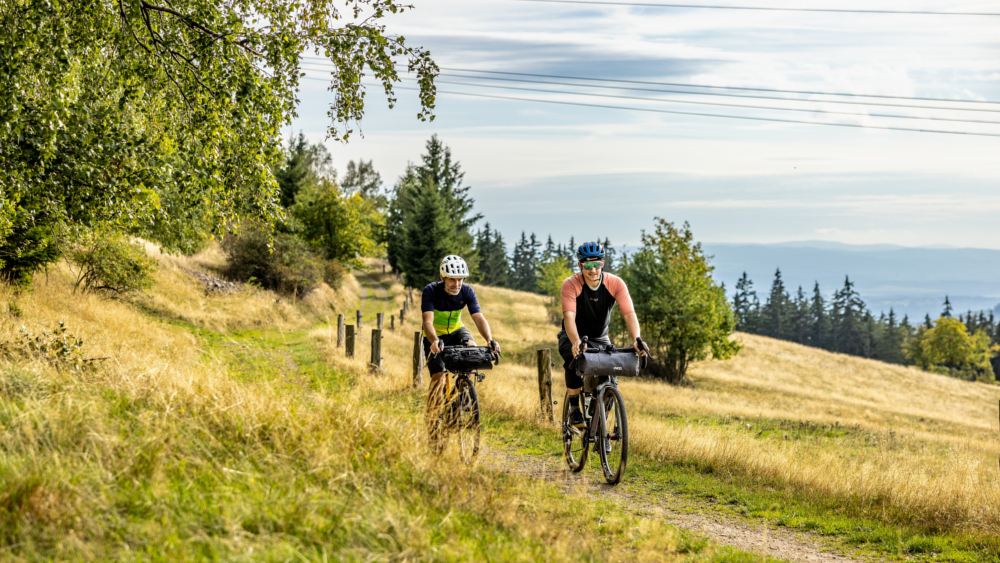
x=608 y=363
x=458 y=359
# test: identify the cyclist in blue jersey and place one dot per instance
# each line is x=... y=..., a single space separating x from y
x=441 y=306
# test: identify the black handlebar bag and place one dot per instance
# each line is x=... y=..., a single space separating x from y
x=457 y=359
x=595 y=366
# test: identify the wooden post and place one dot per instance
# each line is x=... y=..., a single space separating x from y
x=359 y=319
x=340 y=330
x=349 y=342
x=545 y=384
x=402 y=313
x=383 y=268
x=379 y=320
x=392 y=322
x=376 y=361
x=418 y=359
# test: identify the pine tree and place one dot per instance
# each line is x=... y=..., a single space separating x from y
x=947 y=308
x=800 y=317
x=928 y=322
x=819 y=328
x=743 y=305
x=847 y=320
x=775 y=318
x=524 y=266
x=425 y=233
x=494 y=266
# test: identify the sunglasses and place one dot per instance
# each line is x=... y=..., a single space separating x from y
x=592 y=265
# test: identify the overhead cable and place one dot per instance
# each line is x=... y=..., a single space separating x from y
x=675 y=101
x=688 y=85
x=747 y=96
x=764 y=8
x=673 y=112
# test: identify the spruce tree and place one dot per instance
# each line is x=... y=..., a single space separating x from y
x=775 y=317
x=425 y=236
x=743 y=305
x=819 y=330
x=524 y=266
x=847 y=320
x=946 y=313
x=494 y=267
x=800 y=317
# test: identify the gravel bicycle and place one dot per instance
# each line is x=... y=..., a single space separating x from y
x=605 y=429
x=460 y=412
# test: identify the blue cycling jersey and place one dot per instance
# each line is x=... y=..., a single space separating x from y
x=448 y=308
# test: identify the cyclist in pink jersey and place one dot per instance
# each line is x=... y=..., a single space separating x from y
x=587 y=300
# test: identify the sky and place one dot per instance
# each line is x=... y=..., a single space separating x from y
x=590 y=172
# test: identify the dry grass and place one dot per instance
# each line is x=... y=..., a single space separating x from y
x=921 y=446
x=166 y=453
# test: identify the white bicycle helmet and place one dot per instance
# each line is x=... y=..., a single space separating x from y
x=453 y=266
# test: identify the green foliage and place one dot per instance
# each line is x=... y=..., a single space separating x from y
x=525 y=263
x=683 y=313
x=949 y=348
x=551 y=275
x=339 y=228
x=137 y=113
x=111 y=264
x=494 y=267
x=28 y=247
x=57 y=348
x=288 y=266
x=364 y=180
x=439 y=173
x=426 y=235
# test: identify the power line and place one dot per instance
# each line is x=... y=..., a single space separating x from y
x=673 y=112
x=722 y=104
x=763 y=8
x=718 y=94
x=684 y=85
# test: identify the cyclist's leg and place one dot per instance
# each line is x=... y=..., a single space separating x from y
x=574 y=383
x=435 y=365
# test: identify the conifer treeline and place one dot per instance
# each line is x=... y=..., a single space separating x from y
x=844 y=323
x=524 y=268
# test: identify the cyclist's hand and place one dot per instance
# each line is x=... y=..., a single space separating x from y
x=640 y=349
x=577 y=349
x=436 y=346
x=495 y=347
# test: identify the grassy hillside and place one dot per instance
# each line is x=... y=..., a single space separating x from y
x=230 y=428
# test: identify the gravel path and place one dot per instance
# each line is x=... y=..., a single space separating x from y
x=799 y=547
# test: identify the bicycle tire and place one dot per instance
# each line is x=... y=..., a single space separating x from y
x=612 y=436
x=467 y=423
x=575 y=445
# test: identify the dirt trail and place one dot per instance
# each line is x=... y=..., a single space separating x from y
x=371 y=285
x=799 y=547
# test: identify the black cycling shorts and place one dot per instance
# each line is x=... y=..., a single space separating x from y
x=574 y=381
x=434 y=363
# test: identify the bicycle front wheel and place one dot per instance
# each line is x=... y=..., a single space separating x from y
x=467 y=421
x=613 y=436
x=574 y=441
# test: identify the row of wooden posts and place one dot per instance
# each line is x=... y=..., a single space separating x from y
x=346 y=337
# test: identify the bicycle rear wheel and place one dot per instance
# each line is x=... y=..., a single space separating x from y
x=613 y=436
x=467 y=421
x=574 y=441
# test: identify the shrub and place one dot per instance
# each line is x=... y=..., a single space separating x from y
x=110 y=263
x=333 y=273
x=284 y=264
x=57 y=348
x=683 y=313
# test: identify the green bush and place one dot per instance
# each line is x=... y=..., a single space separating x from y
x=333 y=273
x=112 y=264
x=284 y=264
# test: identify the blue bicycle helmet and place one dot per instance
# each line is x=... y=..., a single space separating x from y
x=590 y=251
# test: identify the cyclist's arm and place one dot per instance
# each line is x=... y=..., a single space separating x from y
x=432 y=336
x=483 y=326
x=569 y=325
x=632 y=325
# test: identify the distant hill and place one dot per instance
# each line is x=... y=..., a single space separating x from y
x=912 y=281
